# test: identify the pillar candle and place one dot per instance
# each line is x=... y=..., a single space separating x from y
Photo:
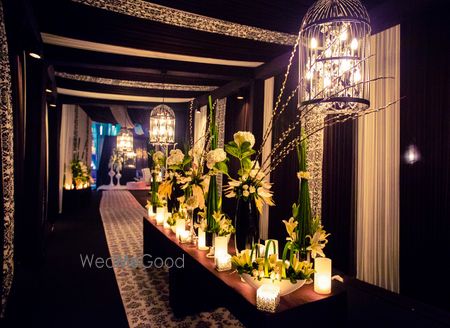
x=180 y=226
x=160 y=215
x=201 y=243
x=322 y=276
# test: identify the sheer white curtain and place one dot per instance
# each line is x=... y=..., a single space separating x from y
x=268 y=109
x=377 y=170
x=200 y=120
x=71 y=116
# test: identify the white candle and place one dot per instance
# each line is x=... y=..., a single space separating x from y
x=184 y=236
x=166 y=218
x=220 y=246
x=160 y=215
x=322 y=276
x=201 y=243
x=150 y=212
x=223 y=262
x=180 y=226
x=267 y=297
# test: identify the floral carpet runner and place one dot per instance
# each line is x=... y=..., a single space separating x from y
x=144 y=292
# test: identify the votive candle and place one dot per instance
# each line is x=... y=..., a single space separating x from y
x=267 y=297
x=223 y=262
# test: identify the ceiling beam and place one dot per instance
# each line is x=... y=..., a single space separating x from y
x=222 y=92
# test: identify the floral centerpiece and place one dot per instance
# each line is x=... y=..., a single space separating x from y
x=250 y=189
x=170 y=189
x=81 y=177
x=306 y=236
x=157 y=160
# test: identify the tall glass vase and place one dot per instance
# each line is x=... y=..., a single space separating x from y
x=246 y=223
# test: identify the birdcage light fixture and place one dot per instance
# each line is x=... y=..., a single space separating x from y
x=124 y=141
x=162 y=125
x=333 y=53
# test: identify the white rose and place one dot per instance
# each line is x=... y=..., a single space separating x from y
x=242 y=136
x=246 y=193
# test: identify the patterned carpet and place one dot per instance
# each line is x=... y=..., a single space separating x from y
x=144 y=292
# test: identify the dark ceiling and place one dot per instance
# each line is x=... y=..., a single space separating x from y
x=79 y=21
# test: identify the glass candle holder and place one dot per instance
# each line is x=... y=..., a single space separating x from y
x=322 y=276
x=180 y=227
x=223 y=262
x=184 y=236
x=160 y=215
x=220 y=246
x=267 y=297
x=150 y=213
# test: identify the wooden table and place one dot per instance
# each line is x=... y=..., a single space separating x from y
x=199 y=287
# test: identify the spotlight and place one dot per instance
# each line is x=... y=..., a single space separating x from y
x=35 y=55
x=197 y=111
x=412 y=154
x=52 y=105
x=240 y=97
x=48 y=90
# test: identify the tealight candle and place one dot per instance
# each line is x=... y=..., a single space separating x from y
x=180 y=227
x=160 y=215
x=223 y=262
x=201 y=242
x=267 y=297
x=322 y=276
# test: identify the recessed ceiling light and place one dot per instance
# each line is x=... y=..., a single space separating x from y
x=240 y=97
x=48 y=90
x=52 y=105
x=35 y=55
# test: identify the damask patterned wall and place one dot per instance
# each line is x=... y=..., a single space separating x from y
x=7 y=167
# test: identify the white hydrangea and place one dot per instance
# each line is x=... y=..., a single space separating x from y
x=175 y=158
x=242 y=136
x=215 y=156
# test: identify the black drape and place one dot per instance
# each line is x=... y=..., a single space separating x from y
x=100 y=114
x=54 y=124
x=237 y=118
x=337 y=195
x=425 y=185
x=285 y=180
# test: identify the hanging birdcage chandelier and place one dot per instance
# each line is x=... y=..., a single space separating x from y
x=124 y=141
x=162 y=125
x=334 y=48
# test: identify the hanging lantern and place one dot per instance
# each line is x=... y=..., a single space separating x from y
x=124 y=141
x=334 y=47
x=162 y=125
